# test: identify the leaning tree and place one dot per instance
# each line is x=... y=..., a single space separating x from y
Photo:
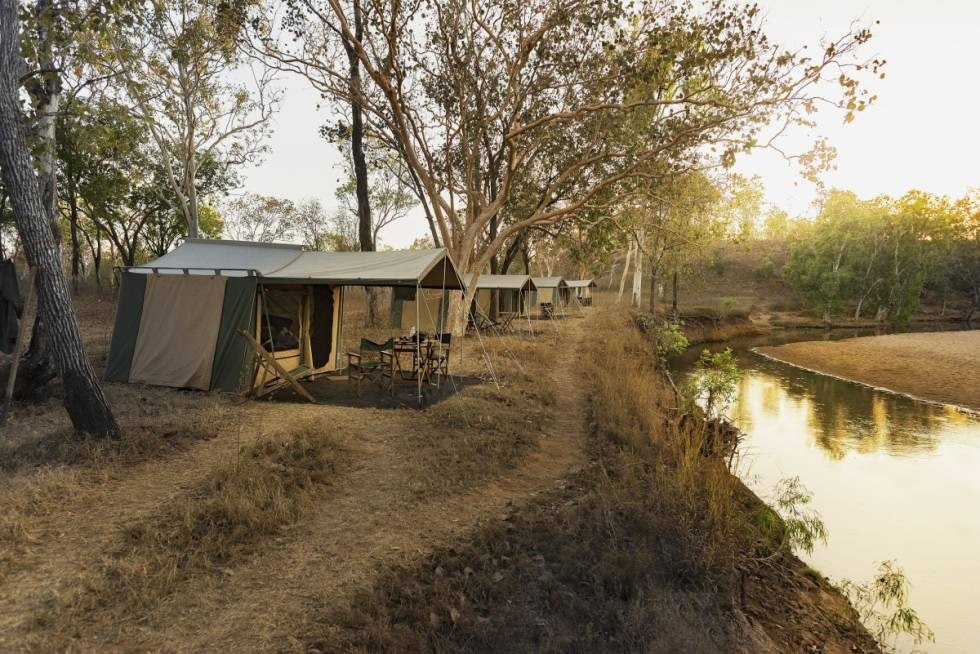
x=30 y=183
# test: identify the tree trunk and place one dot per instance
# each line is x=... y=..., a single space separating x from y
x=673 y=298
x=653 y=286
x=626 y=268
x=76 y=248
x=83 y=396
x=193 y=216
x=361 y=189
x=494 y=295
x=637 y=296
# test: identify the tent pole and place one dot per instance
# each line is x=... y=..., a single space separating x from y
x=527 y=311
x=418 y=343
x=19 y=346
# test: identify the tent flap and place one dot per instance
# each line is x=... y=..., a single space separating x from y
x=178 y=331
x=232 y=369
x=127 y=325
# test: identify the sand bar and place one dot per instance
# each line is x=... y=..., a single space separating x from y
x=938 y=366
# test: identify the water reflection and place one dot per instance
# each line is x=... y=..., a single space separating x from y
x=841 y=416
x=892 y=478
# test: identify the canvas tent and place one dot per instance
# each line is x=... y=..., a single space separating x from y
x=187 y=319
x=512 y=291
x=581 y=289
x=550 y=289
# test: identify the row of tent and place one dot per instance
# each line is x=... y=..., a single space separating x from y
x=518 y=294
x=187 y=319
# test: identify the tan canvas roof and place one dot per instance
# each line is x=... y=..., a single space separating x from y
x=291 y=263
x=199 y=254
x=427 y=268
x=580 y=283
x=549 y=282
x=512 y=282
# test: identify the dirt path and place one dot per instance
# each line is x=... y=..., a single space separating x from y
x=369 y=525
x=936 y=366
x=369 y=519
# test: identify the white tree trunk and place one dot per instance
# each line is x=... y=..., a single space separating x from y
x=626 y=268
x=637 y=296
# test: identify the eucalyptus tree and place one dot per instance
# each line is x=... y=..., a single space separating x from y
x=875 y=254
x=962 y=265
x=31 y=185
x=107 y=174
x=312 y=224
x=570 y=98
x=201 y=101
x=261 y=218
x=390 y=201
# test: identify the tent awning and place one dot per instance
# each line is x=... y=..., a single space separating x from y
x=549 y=282
x=200 y=254
x=284 y=263
x=581 y=283
x=504 y=282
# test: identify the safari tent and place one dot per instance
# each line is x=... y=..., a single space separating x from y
x=512 y=292
x=550 y=289
x=581 y=290
x=210 y=314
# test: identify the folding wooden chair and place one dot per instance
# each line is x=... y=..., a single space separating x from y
x=438 y=355
x=373 y=361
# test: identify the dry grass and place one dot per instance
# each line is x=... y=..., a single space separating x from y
x=46 y=464
x=26 y=501
x=485 y=429
x=571 y=572
x=633 y=553
x=229 y=514
x=642 y=551
x=63 y=447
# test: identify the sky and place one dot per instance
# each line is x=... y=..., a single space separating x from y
x=923 y=132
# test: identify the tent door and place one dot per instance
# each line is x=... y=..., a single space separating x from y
x=321 y=329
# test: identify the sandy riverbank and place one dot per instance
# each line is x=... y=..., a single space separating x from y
x=937 y=366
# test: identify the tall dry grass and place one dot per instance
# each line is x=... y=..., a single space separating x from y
x=663 y=451
x=232 y=512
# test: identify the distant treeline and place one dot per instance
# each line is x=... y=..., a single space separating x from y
x=882 y=257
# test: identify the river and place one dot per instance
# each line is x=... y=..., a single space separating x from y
x=891 y=477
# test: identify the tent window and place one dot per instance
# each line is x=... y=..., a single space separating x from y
x=282 y=316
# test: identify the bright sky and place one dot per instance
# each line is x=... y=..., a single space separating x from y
x=921 y=133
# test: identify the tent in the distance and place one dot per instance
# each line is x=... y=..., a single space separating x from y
x=581 y=290
x=234 y=316
x=512 y=292
x=551 y=291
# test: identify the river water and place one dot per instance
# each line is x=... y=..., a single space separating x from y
x=891 y=477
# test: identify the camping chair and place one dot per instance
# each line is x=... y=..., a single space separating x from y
x=506 y=321
x=483 y=322
x=438 y=355
x=372 y=361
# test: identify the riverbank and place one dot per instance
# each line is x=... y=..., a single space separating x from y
x=939 y=367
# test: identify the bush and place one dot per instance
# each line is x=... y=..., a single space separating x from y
x=766 y=269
